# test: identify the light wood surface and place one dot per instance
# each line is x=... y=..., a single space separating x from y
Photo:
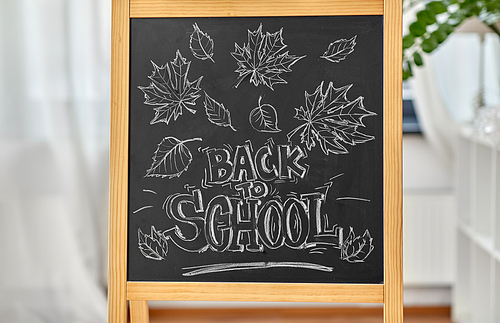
x=228 y=8
x=139 y=312
x=393 y=219
x=117 y=277
x=352 y=314
x=277 y=319
x=344 y=293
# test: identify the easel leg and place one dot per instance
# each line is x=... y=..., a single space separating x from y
x=139 y=312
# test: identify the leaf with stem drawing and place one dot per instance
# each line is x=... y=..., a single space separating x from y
x=264 y=118
x=217 y=113
x=171 y=158
x=201 y=44
x=339 y=49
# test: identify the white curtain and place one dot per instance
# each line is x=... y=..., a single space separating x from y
x=445 y=89
x=54 y=134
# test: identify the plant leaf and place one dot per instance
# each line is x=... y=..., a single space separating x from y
x=440 y=34
x=152 y=246
x=436 y=7
x=217 y=113
x=417 y=58
x=416 y=29
x=426 y=17
x=201 y=44
x=409 y=68
x=331 y=120
x=171 y=158
x=356 y=249
x=339 y=49
x=263 y=58
x=408 y=41
x=429 y=44
x=264 y=118
x=170 y=91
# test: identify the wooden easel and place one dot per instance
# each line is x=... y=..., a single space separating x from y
x=390 y=293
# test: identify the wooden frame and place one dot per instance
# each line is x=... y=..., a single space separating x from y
x=390 y=293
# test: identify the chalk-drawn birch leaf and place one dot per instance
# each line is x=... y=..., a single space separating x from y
x=171 y=158
x=153 y=246
x=339 y=49
x=331 y=120
x=263 y=58
x=264 y=118
x=357 y=249
x=170 y=91
x=201 y=44
x=217 y=113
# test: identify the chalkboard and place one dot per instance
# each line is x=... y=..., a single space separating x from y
x=256 y=149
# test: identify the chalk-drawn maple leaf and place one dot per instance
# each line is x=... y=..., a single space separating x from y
x=331 y=120
x=170 y=91
x=356 y=249
x=263 y=58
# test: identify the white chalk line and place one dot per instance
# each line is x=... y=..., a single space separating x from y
x=215 y=268
x=353 y=198
x=142 y=208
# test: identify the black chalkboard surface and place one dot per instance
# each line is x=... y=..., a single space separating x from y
x=256 y=149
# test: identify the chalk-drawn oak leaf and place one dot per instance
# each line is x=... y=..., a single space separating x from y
x=153 y=246
x=339 y=49
x=263 y=58
x=331 y=120
x=170 y=91
x=201 y=44
x=217 y=113
x=356 y=249
x=171 y=158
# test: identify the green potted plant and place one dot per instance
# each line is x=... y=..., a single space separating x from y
x=437 y=20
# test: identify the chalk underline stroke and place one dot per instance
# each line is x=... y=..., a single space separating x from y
x=216 y=268
x=142 y=208
x=352 y=198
